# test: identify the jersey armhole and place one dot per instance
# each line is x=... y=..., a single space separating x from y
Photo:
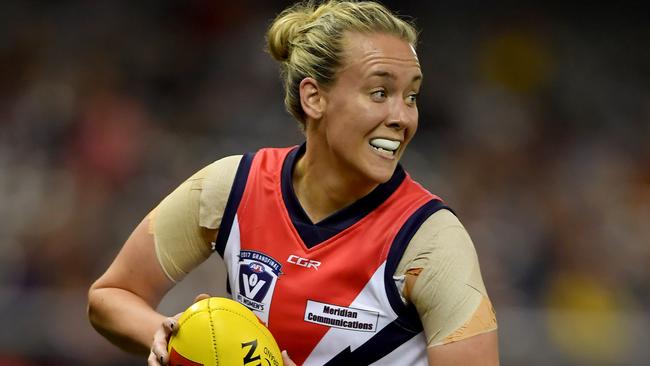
x=236 y=193
x=407 y=314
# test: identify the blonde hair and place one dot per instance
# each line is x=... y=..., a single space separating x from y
x=306 y=39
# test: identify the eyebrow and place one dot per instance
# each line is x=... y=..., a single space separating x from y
x=383 y=74
x=390 y=75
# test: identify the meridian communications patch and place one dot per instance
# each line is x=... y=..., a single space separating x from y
x=359 y=320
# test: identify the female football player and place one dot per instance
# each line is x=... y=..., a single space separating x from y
x=330 y=243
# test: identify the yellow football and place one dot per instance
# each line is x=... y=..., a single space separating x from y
x=221 y=331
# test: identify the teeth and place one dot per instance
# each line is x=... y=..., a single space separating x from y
x=385 y=144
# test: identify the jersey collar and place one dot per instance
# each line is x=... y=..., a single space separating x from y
x=313 y=234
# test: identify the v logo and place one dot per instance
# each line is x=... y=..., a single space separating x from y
x=252 y=285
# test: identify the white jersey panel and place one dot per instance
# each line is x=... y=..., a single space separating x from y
x=231 y=254
x=372 y=300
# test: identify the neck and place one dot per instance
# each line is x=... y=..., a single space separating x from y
x=324 y=187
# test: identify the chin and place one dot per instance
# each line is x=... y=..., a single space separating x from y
x=380 y=175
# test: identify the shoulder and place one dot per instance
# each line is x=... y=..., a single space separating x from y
x=202 y=195
x=442 y=219
x=215 y=182
x=441 y=232
x=443 y=248
x=444 y=241
x=218 y=170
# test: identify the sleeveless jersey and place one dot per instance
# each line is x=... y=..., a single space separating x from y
x=326 y=291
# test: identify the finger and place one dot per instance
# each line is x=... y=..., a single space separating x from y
x=200 y=297
x=171 y=325
x=152 y=360
x=159 y=351
x=286 y=360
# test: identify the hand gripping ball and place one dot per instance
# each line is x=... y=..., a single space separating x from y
x=220 y=331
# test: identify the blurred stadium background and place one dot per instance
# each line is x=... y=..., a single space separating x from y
x=535 y=122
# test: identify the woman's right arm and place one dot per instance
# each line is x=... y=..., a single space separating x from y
x=122 y=302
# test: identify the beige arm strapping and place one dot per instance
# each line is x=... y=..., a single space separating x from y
x=449 y=293
x=185 y=222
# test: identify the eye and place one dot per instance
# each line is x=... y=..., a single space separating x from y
x=412 y=99
x=378 y=95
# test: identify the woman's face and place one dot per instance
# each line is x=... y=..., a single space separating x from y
x=371 y=112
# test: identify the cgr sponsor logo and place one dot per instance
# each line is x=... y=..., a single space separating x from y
x=303 y=262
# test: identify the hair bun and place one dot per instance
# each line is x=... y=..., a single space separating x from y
x=284 y=30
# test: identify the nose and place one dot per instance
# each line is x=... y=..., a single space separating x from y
x=402 y=115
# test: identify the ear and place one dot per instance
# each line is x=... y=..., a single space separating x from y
x=311 y=98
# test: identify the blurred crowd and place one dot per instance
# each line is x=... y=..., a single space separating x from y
x=534 y=127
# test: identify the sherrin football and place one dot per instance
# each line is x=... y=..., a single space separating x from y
x=221 y=331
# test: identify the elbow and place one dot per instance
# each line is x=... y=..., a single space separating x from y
x=93 y=306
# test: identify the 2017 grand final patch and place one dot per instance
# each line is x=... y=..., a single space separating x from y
x=258 y=274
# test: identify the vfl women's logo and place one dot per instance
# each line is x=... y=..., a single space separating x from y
x=257 y=276
x=254 y=281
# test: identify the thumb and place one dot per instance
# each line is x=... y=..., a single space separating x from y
x=286 y=360
x=200 y=297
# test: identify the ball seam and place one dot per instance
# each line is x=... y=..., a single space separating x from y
x=214 y=339
x=257 y=323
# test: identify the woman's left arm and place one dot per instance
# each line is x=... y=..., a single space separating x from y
x=444 y=282
x=479 y=349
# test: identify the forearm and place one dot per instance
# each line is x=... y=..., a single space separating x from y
x=123 y=318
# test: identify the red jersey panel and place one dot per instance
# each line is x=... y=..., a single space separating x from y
x=323 y=290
